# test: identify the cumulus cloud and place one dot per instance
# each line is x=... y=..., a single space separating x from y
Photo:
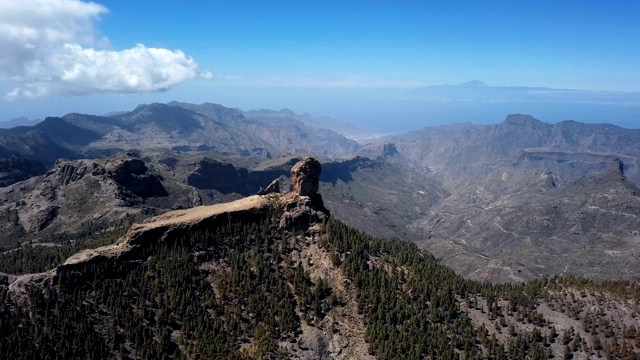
x=51 y=47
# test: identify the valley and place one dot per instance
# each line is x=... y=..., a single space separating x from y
x=514 y=201
x=275 y=276
x=504 y=239
x=335 y=180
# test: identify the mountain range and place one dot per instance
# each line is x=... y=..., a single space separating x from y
x=500 y=175
x=177 y=126
x=349 y=130
x=513 y=201
x=21 y=121
x=275 y=276
x=140 y=235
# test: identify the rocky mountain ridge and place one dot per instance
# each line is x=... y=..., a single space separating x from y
x=273 y=276
x=20 y=121
x=532 y=185
x=459 y=153
x=588 y=227
x=519 y=189
x=75 y=194
x=177 y=126
x=351 y=131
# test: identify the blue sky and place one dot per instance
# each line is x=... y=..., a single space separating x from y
x=356 y=60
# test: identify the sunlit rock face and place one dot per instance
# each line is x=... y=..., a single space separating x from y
x=305 y=177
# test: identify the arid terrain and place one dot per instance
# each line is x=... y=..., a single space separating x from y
x=514 y=201
x=273 y=276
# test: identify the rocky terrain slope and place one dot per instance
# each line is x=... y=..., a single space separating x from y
x=381 y=195
x=176 y=126
x=15 y=168
x=274 y=276
x=527 y=198
x=588 y=227
x=351 y=131
x=463 y=153
x=87 y=194
x=517 y=200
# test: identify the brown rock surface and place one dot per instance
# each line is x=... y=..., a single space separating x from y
x=305 y=177
x=273 y=188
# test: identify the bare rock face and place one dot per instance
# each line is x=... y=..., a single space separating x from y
x=389 y=149
x=616 y=168
x=80 y=194
x=299 y=213
x=273 y=188
x=305 y=177
x=306 y=206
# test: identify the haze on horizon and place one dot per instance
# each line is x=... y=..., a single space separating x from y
x=378 y=64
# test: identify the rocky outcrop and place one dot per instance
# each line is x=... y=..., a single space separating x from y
x=294 y=221
x=302 y=211
x=389 y=150
x=614 y=179
x=525 y=121
x=616 y=167
x=133 y=175
x=305 y=177
x=77 y=194
x=130 y=173
x=273 y=188
x=65 y=172
x=43 y=217
x=295 y=213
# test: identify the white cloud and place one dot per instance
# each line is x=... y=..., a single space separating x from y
x=52 y=48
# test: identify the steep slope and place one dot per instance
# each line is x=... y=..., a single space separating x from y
x=588 y=227
x=282 y=135
x=32 y=143
x=460 y=153
x=273 y=276
x=382 y=195
x=83 y=194
x=72 y=131
x=287 y=116
x=175 y=126
x=16 y=168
